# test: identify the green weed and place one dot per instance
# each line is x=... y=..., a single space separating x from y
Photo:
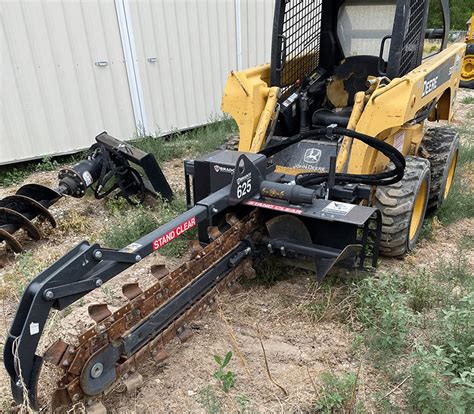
x=130 y=226
x=336 y=394
x=227 y=379
x=443 y=373
x=209 y=401
x=14 y=174
x=188 y=143
x=25 y=269
x=130 y=223
x=467 y=100
x=269 y=271
x=384 y=311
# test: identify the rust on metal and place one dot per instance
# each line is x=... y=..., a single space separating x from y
x=55 y=352
x=8 y=216
x=22 y=204
x=99 y=311
x=213 y=232
x=195 y=248
x=159 y=271
x=184 y=333
x=115 y=326
x=131 y=290
x=11 y=241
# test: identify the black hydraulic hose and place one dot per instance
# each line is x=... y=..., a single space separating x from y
x=312 y=179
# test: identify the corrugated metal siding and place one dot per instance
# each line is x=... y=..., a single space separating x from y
x=194 y=44
x=55 y=99
x=257 y=23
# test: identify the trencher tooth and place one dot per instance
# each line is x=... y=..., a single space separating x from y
x=213 y=232
x=131 y=290
x=159 y=271
x=99 y=311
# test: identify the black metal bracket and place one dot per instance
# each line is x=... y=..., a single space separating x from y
x=116 y=256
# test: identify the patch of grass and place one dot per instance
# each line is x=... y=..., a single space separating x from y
x=458 y=205
x=130 y=223
x=337 y=394
x=423 y=291
x=443 y=373
x=269 y=271
x=16 y=173
x=194 y=142
x=209 y=400
x=130 y=226
x=467 y=100
x=385 y=313
x=26 y=268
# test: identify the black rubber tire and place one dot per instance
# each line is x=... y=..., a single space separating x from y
x=396 y=202
x=470 y=83
x=439 y=146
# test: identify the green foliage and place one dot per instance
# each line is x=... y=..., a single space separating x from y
x=443 y=374
x=336 y=393
x=460 y=11
x=384 y=312
x=189 y=143
x=467 y=100
x=129 y=223
x=270 y=271
x=460 y=201
x=209 y=401
x=26 y=267
x=227 y=379
x=130 y=226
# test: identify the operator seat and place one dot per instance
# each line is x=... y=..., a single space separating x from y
x=349 y=78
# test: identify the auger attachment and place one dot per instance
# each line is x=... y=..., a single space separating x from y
x=108 y=169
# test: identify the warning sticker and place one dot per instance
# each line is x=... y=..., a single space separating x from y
x=132 y=247
x=172 y=234
x=398 y=141
x=34 y=328
x=276 y=207
x=336 y=207
x=86 y=175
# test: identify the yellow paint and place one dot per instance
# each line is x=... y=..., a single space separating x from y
x=449 y=180
x=382 y=112
x=392 y=106
x=246 y=95
x=418 y=209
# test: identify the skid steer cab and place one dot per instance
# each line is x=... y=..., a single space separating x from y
x=374 y=68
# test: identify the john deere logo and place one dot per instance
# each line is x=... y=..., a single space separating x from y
x=312 y=155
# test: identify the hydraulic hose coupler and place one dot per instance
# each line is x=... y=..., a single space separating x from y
x=74 y=181
x=293 y=193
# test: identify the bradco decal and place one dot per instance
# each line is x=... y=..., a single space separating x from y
x=312 y=155
x=220 y=168
x=172 y=234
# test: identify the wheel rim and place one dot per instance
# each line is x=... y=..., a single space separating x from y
x=449 y=179
x=467 y=72
x=418 y=210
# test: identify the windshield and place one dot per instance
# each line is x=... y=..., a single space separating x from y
x=363 y=24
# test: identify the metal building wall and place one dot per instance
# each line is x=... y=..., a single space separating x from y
x=71 y=69
x=54 y=97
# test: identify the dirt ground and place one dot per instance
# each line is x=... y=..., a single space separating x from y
x=268 y=328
